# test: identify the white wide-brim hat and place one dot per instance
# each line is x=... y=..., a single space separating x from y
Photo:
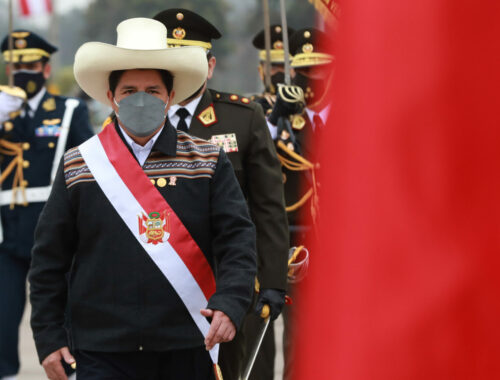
x=141 y=44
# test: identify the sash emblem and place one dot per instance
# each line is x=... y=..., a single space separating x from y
x=154 y=228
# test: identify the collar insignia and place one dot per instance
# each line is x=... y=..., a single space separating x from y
x=298 y=122
x=49 y=105
x=207 y=116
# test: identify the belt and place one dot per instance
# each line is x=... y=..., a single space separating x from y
x=33 y=194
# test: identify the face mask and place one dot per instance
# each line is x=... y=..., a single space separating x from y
x=30 y=81
x=277 y=78
x=141 y=113
x=314 y=89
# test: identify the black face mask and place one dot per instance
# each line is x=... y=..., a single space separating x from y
x=30 y=81
x=314 y=89
x=276 y=78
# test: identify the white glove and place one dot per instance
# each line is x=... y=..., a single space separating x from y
x=8 y=104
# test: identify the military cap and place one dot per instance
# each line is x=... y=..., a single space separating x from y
x=186 y=28
x=27 y=47
x=309 y=47
x=277 y=52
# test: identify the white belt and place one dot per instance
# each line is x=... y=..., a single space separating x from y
x=33 y=194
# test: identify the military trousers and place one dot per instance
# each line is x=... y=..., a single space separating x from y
x=13 y=272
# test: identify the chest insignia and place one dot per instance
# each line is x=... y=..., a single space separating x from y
x=298 y=122
x=49 y=105
x=154 y=228
x=227 y=142
x=50 y=128
x=207 y=116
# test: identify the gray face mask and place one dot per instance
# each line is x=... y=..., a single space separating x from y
x=141 y=113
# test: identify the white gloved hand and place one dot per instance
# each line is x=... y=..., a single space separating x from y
x=8 y=104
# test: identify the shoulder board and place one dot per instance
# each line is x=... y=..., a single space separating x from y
x=224 y=97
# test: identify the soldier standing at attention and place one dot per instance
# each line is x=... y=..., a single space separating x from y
x=312 y=71
x=33 y=137
x=238 y=125
x=268 y=97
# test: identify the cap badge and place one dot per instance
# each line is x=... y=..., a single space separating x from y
x=278 y=45
x=179 y=33
x=20 y=43
x=307 y=48
x=179 y=16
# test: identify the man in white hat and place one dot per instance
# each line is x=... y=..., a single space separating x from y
x=149 y=222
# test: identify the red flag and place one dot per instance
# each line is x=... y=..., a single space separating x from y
x=34 y=7
x=404 y=283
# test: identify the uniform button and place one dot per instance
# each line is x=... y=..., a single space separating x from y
x=152 y=181
x=25 y=183
x=51 y=144
x=26 y=145
x=141 y=348
x=26 y=164
x=161 y=182
x=8 y=126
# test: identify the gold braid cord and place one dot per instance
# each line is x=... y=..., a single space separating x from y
x=16 y=165
x=298 y=163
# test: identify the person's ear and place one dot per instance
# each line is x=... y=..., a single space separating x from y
x=211 y=66
x=46 y=70
x=170 y=97
x=111 y=97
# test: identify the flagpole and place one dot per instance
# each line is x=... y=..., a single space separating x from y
x=284 y=27
x=267 y=42
x=11 y=48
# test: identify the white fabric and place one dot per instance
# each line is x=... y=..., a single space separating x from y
x=141 y=152
x=34 y=102
x=323 y=114
x=273 y=129
x=190 y=107
x=37 y=7
x=163 y=255
x=33 y=194
x=8 y=104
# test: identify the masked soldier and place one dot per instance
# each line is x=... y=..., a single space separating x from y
x=238 y=125
x=277 y=63
x=34 y=133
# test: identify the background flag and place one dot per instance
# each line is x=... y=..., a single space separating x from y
x=405 y=281
x=35 y=7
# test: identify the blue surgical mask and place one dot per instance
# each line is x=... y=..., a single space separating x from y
x=141 y=113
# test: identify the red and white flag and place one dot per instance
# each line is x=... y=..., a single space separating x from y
x=405 y=281
x=35 y=7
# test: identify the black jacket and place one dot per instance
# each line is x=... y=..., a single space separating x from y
x=119 y=300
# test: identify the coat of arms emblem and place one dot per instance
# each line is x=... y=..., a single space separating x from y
x=154 y=228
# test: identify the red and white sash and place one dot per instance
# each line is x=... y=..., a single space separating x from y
x=135 y=198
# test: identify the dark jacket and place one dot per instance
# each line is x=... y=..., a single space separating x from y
x=38 y=153
x=258 y=171
x=119 y=300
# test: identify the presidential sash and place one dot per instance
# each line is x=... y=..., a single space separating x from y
x=152 y=221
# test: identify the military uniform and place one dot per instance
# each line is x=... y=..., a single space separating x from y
x=29 y=145
x=299 y=158
x=277 y=59
x=238 y=125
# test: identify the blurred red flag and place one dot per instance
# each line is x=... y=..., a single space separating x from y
x=405 y=282
x=35 y=7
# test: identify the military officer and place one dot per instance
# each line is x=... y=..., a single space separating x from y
x=311 y=71
x=238 y=125
x=277 y=61
x=33 y=136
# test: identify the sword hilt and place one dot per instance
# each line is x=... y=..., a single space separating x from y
x=265 y=312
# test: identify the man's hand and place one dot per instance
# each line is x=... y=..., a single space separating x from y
x=52 y=364
x=221 y=328
x=275 y=298
x=8 y=104
x=289 y=101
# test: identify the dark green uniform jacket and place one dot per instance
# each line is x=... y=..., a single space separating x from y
x=240 y=124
